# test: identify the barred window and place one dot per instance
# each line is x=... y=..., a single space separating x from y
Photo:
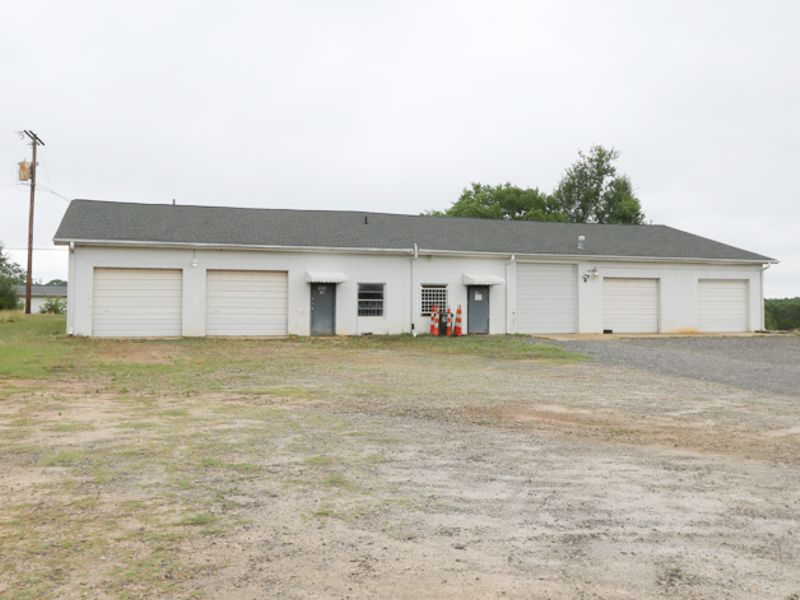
x=370 y=299
x=432 y=295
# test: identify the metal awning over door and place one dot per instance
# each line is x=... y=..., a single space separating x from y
x=325 y=277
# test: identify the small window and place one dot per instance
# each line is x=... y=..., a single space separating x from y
x=370 y=299
x=432 y=295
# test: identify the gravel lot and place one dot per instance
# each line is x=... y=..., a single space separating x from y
x=764 y=363
x=661 y=468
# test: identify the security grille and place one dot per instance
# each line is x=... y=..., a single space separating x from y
x=432 y=295
x=370 y=299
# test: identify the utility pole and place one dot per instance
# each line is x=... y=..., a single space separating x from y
x=35 y=141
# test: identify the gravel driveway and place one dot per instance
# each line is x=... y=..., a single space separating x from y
x=764 y=363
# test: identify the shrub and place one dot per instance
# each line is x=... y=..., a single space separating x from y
x=56 y=306
x=8 y=294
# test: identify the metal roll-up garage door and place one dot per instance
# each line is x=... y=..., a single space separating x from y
x=630 y=305
x=722 y=305
x=137 y=302
x=547 y=298
x=246 y=303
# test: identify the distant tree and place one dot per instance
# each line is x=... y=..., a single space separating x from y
x=8 y=294
x=782 y=313
x=11 y=274
x=591 y=191
x=505 y=201
x=9 y=269
x=56 y=282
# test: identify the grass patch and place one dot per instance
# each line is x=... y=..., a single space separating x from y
x=136 y=425
x=490 y=346
x=30 y=345
x=338 y=480
x=203 y=519
x=282 y=391
x=63 y=458
x=324 y=512
x=175 y=412
x=243 y=467
x=67 y=427
x=319 y=460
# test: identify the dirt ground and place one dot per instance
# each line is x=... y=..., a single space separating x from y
x=357 y=471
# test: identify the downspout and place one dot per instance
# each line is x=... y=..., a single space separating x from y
x=511 y=292
x=763 y=309
x=414 y=256
x=71 y=290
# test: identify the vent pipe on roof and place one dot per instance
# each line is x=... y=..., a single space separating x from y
x=366 y=220
x=581 y=240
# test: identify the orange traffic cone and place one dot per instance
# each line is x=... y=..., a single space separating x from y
x=436 y=317
x=458 y=330
x=449 y=330
x=433 y=320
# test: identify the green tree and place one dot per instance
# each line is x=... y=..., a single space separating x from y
x=8 y=294
x=591 y=191
x=56 y=282
x=782 y=313
x=505 y=201
x=9 y=269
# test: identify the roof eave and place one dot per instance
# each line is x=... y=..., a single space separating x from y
x=410 y=250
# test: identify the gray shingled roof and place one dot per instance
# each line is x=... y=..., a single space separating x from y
x=166 y=223
x=47 y=291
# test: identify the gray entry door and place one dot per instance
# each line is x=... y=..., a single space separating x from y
x=478 y=309
x=323 y=308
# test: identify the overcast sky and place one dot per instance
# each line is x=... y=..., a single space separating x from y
x=397 y=106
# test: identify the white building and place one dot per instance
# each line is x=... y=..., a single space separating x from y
x=40 y=294
x=166 y=270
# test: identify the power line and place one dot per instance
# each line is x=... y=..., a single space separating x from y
x=55 y=193
x=37 y=249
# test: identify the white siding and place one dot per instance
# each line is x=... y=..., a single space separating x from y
x=136 y=302
x=630 y=305
x=547 y=298
x=246 y=303
x=403 y=274
x=722 y=305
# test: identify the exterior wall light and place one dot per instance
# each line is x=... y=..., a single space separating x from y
x=592 y=273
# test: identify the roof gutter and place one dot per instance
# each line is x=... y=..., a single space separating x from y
x=416 y=251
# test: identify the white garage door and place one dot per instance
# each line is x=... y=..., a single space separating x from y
x=547 y=298
x=722 y=304
x=137 y=302
x=246 y=303
x=630 y=305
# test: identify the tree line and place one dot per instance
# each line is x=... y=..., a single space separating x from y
x=782 y=313
x=590 y=191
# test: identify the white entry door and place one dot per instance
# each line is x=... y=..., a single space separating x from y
x=722 y=305
x=630 y=305
x=246 y=303
x=137 y=302
x=547 y=298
